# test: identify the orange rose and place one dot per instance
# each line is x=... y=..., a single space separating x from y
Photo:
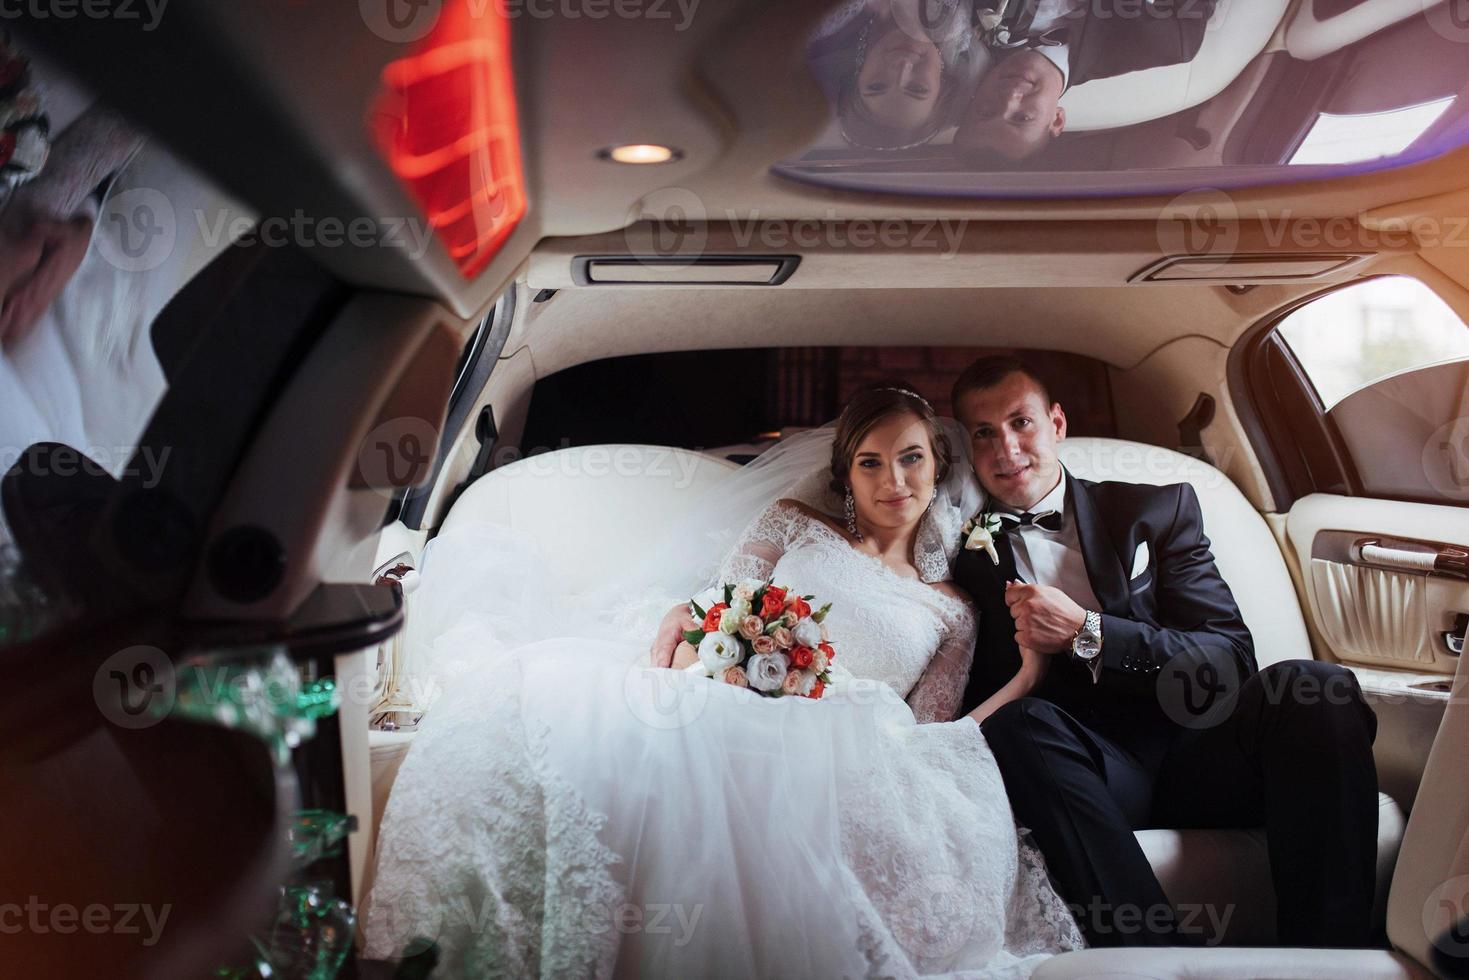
x=772 y=603
x=801 y=657
x=799 y=606
x=816 y=690
x=826 y=648
x=711 y=618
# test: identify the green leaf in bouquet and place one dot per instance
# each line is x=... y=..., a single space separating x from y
x=820 y=614
x=698 y=610
x=808 y=598
x=728 y=594
x=694 y=636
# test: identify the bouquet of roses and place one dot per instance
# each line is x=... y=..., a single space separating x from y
x=765 y=638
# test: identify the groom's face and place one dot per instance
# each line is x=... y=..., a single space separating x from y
x=1014 y=435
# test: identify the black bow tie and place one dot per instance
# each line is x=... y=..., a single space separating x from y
x=1046 y=520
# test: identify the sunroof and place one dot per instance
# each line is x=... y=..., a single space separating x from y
x=1046 y=98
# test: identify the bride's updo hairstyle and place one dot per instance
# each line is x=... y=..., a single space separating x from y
x=873 y=405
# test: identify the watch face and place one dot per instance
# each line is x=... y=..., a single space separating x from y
x=1087 y=647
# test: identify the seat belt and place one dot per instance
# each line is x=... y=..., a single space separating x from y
x=1191 y=428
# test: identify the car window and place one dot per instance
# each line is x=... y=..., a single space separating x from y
x=1389 y=361
x=1352 y=337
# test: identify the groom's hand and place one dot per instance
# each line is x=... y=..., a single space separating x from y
x=670 y=634
x=1045 y=618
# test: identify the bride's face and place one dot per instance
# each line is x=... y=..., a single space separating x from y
x=892 y=473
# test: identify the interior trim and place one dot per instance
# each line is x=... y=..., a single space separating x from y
x=1256 y=267
x=681 y=270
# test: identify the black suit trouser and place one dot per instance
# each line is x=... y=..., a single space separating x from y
x=1293 y=755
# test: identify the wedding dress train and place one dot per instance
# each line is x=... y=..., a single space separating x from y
x=568 y=811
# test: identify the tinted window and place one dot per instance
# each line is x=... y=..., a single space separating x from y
x=1389 y=360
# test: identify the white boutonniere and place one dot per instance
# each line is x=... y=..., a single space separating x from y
x=980 y=532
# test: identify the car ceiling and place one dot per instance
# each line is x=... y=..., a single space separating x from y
x=270 y=99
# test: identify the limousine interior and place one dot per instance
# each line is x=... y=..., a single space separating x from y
x=357 y=275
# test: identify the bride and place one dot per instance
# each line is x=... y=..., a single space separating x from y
x=568 y=810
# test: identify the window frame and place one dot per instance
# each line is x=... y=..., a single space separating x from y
x=1295 y=466
x=484 y=350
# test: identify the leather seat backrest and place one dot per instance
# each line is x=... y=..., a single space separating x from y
x=1247 y=553
x=589 y=507
x=1430 y=887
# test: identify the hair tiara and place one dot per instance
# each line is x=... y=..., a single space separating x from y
x=910 y=393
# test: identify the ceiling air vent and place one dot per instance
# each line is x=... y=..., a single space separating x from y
x=1248 y=268
x=682 y=270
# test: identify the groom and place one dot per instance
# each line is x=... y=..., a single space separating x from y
x=1153 y=712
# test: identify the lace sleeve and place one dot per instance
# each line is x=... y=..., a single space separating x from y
x=940 y=691
x=760 y=547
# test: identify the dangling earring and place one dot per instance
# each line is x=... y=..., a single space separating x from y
x=851 y=506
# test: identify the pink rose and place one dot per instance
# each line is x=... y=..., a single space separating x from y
x=782 y=638
x=792 y=683
x=751 y=627
x=736 y=677
x=763 y=644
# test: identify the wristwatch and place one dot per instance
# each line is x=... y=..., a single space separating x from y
x=1086 y=645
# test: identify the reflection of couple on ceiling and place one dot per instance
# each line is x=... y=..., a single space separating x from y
x=900 y=71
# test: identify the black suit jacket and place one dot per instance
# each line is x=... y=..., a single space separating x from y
x=1179 y=607
x=1104 y=42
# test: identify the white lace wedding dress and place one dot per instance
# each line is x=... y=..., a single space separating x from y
x=567 y=811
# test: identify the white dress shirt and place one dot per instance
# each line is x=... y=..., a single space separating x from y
x=1050 y=14
x=1053 y=558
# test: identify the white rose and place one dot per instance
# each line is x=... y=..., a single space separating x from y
x=767 y=671
x=718 y=651
x=740 y=606
x=807 y=633
x=744 y=595
x=729 y=621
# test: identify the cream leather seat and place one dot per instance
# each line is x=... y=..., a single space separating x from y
x=617 y=493
x=1428 y=897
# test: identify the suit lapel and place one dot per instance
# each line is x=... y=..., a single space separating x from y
x=1103 y=567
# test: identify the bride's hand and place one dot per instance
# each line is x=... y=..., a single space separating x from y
x=670 y=635
x=1032 y=671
